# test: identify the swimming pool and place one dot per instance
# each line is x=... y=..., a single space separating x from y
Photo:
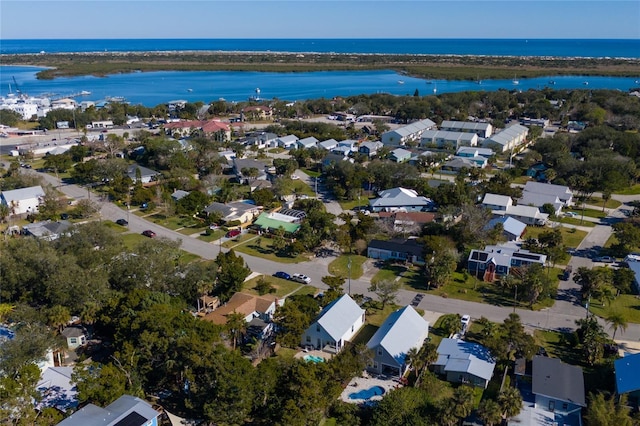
x=367 y=393
x=313 y=358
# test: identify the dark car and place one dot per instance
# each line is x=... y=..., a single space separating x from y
x=122 y=222
x=149 y=233
x=282 y=275
x=233 y=233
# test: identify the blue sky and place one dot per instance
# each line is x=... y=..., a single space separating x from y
x=24 y=19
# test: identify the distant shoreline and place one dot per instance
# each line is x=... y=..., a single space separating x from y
x=427 y=66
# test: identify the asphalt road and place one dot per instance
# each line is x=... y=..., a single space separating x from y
x=560 y=317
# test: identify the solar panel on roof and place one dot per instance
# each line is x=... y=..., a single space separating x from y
x=293 y=213
x=132 y=419
x=527 y=256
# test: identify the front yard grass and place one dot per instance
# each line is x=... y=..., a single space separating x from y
x=626 y=304
x=571 y=237
x=351 y=204
x=176 y=222
x=597 y=201
x=340 y=266
x=311 y=173
x=301 y=188
x=576 y=221
x=213 y=236
x=260 y=246
x=632 y=190
x=282 y=287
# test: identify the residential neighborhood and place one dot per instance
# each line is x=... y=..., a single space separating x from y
x=165 y=273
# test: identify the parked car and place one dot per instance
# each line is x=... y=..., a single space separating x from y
x=149 y=233
x=300 y=278
x=122 y=222
x=571 y=214
x=604 y=259
x=466 y=319
x=233 y=233
x=283 y=275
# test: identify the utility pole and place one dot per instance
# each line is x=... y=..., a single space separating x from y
x=349 y=268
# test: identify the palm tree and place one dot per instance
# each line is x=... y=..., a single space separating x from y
x=58 y=316
x=236 y=325
x=451 y=323
x=5 y=310
x=510 y=401
x=617 y=321
x=490 y=412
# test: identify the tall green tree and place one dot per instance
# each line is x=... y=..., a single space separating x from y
x=603 y=411
x=386 y=290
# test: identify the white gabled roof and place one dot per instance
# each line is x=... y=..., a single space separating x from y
x=402 y=330
x=338 y=316
x=559 y=191
x=288 y=139
x=497 y=200
x=412 y=128
x=467 y=125
x=17 y=195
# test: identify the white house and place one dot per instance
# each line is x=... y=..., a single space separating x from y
x=23 y=200
x=483 y=130
x=146 y=175
x=447 y=139
x=508 y=139
x=338 y=322
x=307 y=143
x=126 y=410
x=407 y=134
x=502 y=205
x=497 y=202
x=563 y=193
x=403 y=330
x=288 y=141
x=328 y=145
x=539 y=200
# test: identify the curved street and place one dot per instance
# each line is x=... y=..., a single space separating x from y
x=561 y=316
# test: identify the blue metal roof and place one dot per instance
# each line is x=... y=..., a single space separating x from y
x=627 y=374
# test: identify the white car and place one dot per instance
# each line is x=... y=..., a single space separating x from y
x=466 y=319
x=571 y=214
x=300 y=278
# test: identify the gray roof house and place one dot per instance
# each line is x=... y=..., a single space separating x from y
x=328 y=145
x=464 y=362
x=472 y=151
x=146 y=175
x=403 y=330
x=242 y=212
x=370 y=148
x=458 y=163
x=287 y=142
x=240 y=164
x=396 y=199
x=400 y=155
x=512 y=229
x=76 y=336
x=47 y=230
x=338 y=322
x=408 y=250
x=307 y=143
x=406 y=134
x=558 y=388
x=562 y=192
x=447 y=139
x=22 y=200
x=483 y=130
x=500 y=260
x=508 y=139
x=124 y=411
x=496 y=201
x=56 y=389
x=179 y=194
x=538 y=200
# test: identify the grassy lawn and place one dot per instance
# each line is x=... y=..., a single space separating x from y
x=610 y=204
x=238 y=240
x=286 y=352
x=213 y=236
x=479 y=291
x=312 y=173
x=283 y=287
x=261 y=247
x=186 y=258
x=627 y=304
x=340 y=266
x=410 y=278
x=571 y=237
x=176 y=222
x=377 y=316
x=348 y=205
x=632 y=190
x=576 y=221
x=301 y=188
x=132 y=240
x=365 y=334
x=114 y=226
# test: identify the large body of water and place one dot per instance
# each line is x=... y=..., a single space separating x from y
x=153 y=88
x=591 y=48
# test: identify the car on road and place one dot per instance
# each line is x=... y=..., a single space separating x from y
x=300 y=278
x=283 y=275
x=122 y=222
x=149 y=233
x=233 y=233
x=604 y=259
x=571 y=214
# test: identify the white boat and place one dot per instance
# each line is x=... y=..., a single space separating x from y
x=189 y=90
x=515 y=80
x=85 y=93
x=256 y=97
x=400 y=81
x=435 y=89
x=586 y=83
